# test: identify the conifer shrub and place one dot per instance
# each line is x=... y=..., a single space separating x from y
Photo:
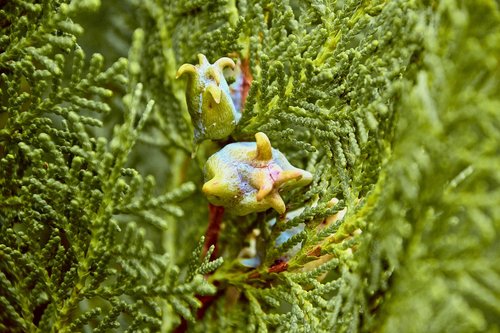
x=393 y=107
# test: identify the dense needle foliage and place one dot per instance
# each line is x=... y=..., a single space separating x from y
x=393 y=106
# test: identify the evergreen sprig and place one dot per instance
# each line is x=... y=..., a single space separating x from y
x=73 y=255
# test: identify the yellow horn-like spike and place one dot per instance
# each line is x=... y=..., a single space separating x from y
x=264 y=190
x=277 y=202
x=214 y=73
x=264 y=152
x=212 y=186
x=215 y=91
x=202 y=59
x=186 y=68
x=287 y=175
x=225 y=62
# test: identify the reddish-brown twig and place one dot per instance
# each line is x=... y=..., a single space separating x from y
x=212 y=234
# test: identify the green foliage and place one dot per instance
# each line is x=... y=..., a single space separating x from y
x=393 y=106
x=72 y=252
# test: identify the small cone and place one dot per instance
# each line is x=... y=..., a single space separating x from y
x=186 y=68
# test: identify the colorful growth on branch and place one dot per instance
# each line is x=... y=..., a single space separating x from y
x=246 y=177
x=208 y=99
